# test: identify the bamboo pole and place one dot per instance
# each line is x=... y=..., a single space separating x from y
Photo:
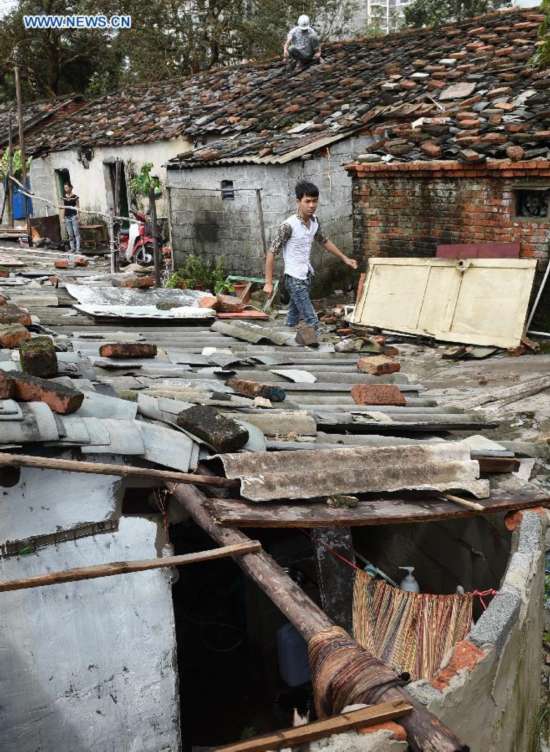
x=126 y=567
x=154 y=234
x=124 y=471
x=425 y=732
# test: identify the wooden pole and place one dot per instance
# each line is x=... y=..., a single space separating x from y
x=298 y=735
x=170 y=227
x=125 y=567
x=21 y=126
x=10 y=170
x=124 y=471
x=112 y=246
x=261 y=218
x=154 y=232
x=425 y=732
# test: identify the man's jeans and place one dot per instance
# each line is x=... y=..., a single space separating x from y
x=300 y=306
x=73 y=231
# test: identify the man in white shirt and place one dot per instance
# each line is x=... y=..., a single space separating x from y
x=295 y=238
x=302 y=43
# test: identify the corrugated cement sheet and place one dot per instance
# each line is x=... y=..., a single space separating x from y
x=475 y=301
x=311 y=474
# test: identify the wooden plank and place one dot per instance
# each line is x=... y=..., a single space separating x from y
x=124 y=471
x=126 y=567
x=236 y=513
x=292 y=737
x=425 y=731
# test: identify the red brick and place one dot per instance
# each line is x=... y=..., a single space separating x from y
x=4 y=273
x=81 y=261
x=3 y=300
x=61 y=263
x=377 y=394
x=377 y=365
x=12 y=314
x=208 y=301
x=137 y=282
x=397 y=731
x=7 y=387
x=59 y=398
x=128 y=350
x=11 y=335
x=255 y=389
x=465 y=656
x=230 y=304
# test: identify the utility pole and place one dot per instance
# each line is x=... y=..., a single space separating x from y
x=22 y=139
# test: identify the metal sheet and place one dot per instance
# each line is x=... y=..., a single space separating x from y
x=311 y=474
x=254 y=333
x=143 y=312
x=166 y=446
x=125 y=296
x=124 y=438
x=295 y=375
x=475 y=301
x=96 y=405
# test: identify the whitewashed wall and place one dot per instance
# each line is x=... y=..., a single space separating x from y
x=92 y=184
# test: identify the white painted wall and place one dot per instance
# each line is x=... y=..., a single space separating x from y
x=92 y=184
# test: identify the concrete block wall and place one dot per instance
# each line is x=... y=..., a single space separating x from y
x=489 y=690
x=208 y=226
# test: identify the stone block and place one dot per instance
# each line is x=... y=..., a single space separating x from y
x=377 y=394
x=128 y=350
x=59 y=398
x=11 y=335
x=38 y=357
x=254 y=389
x=230 y=304
x=12 y=314
x=378 y=365
x=7 y=387
x=223 y=434
x=307 y=336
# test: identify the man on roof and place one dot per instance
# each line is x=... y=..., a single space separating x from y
x=302 y=44
x=294 y=239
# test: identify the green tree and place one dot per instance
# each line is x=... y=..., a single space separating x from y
x=542 y=58
x=436 y=12
x=53 y=61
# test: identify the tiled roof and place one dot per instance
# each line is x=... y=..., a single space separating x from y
x=461 y=91
x=34 y=113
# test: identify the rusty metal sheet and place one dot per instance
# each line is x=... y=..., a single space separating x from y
x=474 y=301
x=311 y=474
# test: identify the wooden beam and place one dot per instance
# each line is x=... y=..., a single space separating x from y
x=126 y=567
x=293 y=737
x=238 y=513
x=124 y=471
x=425 y=731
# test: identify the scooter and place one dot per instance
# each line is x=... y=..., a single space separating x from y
x=135 y=245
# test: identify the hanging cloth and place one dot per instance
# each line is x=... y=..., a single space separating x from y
x=412 y=632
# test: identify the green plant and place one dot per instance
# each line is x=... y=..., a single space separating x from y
x=198 y=274
x=16 y=164
x=142 y=182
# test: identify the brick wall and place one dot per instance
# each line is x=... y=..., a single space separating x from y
x=407 y=209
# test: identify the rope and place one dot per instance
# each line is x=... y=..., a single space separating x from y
x=36 y=197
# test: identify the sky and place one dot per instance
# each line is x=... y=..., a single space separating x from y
x=6 y=5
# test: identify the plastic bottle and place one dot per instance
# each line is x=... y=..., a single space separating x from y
x=409 y=583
